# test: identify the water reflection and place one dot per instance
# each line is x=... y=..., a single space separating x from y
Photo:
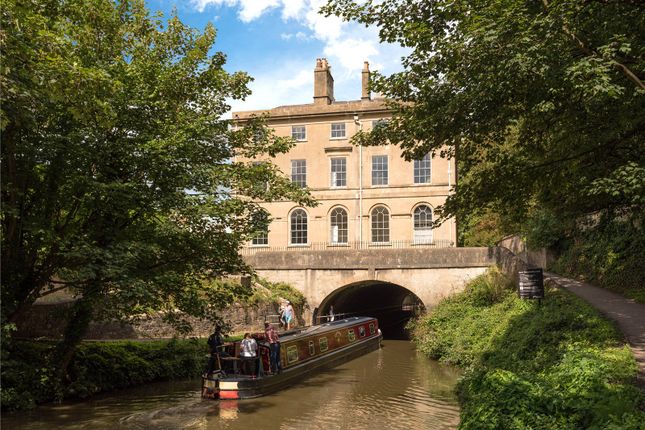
x=393 y=388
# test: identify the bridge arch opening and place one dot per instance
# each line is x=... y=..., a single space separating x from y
x=392 y=304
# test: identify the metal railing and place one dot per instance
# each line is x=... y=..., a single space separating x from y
x=329 y=246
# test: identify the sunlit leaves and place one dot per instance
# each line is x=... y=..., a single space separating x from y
x=117 y=179
x=539 y=100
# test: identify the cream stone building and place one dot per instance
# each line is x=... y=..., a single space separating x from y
x=369 y=197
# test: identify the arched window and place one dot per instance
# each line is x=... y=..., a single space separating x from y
x=261 y=236
x=298 y=227
x=423 y=224
x=338 y=218
x=380 y=225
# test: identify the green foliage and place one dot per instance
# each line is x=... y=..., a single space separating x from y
x=545 y=229
x=482 y=228
x=554 y=366
x=280 y=290
x=117 y=180
x=608 y=254
x=268 y=292
x=543 y=102
x=28 y=378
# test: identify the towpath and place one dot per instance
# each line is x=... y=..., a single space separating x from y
x=627 y=313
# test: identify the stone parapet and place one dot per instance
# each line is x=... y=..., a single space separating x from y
x=373 y=259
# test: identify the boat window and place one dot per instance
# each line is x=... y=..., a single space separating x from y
x=292 y=353
x=372 y=329
x=361 y=331
x=351 y=335
x=312 y=348
x=323 y=344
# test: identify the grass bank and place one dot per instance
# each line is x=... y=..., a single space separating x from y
x=555 y=366
x=27 y=377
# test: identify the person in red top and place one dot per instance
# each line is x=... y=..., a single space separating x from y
x=274 y=347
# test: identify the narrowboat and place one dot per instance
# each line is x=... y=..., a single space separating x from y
x=302 y=352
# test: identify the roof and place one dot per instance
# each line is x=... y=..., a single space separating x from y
x=317 y=109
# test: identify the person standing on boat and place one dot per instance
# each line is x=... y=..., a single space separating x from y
x=215 y=344
x=248 y=353
x=216 y=340
x=331 y=313
x=288 y=314
x=274 y=347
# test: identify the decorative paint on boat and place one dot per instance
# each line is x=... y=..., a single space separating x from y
x=302 y=353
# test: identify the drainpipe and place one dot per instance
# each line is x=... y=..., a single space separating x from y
x=360 y=184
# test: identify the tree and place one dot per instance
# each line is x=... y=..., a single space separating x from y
x=117 y=175
x=542 y=100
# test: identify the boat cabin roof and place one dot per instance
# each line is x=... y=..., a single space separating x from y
x=325 y=327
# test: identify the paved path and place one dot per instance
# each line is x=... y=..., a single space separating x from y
x=627 y=313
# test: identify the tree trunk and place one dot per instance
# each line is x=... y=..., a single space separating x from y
x=80 y=319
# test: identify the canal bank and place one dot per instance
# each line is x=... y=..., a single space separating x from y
x=392 y=388
x=554 y=365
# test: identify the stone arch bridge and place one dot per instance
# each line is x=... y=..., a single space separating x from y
x=390 y=284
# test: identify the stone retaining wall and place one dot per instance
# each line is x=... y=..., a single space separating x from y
x=48 y=321
x=509 y=263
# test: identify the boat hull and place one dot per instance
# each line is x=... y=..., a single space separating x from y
x=247 y=388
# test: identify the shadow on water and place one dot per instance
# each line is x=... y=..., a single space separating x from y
x=392 y=388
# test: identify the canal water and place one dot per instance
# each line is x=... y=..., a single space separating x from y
x=392 y=388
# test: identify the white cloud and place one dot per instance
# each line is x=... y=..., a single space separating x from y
x=350 y=52
x=291 y=83
x=292 y=8
x=299 y=36
x=345 y=44
x=324 y=28
x=249 y=9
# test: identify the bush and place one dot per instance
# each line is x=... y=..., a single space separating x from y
x=554 y=366
x=27 y=379
x=280 y=290
x=608 y=255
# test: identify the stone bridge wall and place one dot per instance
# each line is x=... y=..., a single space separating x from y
x=408 y=258
x=431 y=274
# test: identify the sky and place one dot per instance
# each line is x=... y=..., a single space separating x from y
x=277 y=43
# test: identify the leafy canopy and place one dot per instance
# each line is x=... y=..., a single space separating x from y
x=543 y=101
x=117 y=173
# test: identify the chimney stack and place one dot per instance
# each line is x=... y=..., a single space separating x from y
x=365 y=87
x=323 y=82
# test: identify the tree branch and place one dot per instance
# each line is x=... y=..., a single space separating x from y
x=590 y=52
x=53 y=290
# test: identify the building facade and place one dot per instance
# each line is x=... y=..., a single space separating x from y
x=368 y=196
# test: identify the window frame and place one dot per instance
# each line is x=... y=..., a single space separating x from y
x=384 y=228
x=332 y=131
x=343 y=222
x=380 y=178
x=299 y=177
x=298 y=233
x=304 y=132
x=344 y=172
x=417 y=221
x=323 y=346
x=418 y=168
x=262 y=237
x=379 y=122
